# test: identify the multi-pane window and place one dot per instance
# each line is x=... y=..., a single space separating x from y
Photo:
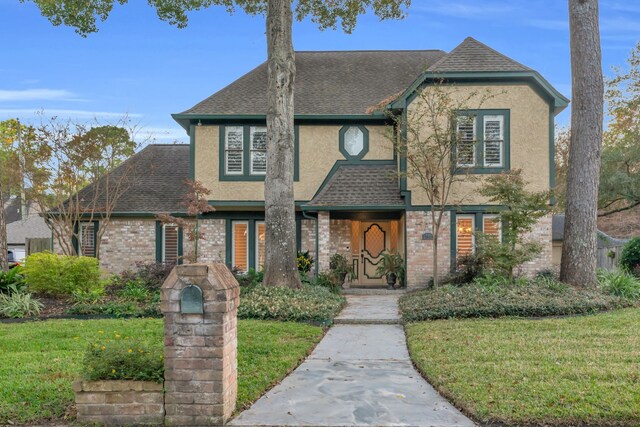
x=491 y=225
x=87 y=237
x=466 y=142
x=260 y=244
x=482 y=140
x=234 y=150
x=170 y=244
x=258 y=149
x=493 y=140
x=240 y=246
x=465 y=241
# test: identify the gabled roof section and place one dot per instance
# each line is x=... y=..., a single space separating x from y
x=154 y=181
x=471 y=55
x=475 y=62
x=361 y=185
x=327 y=83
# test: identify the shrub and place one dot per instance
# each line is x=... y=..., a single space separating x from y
x=630 y=257
x=314 y=304
x=251 y=278
x=305 y=262
x=619 y=283
x=18 y=305
x=468 y=268
x=53 y=274
x=114 y=357
x=12 y=281
x=324 y=280
x=92 y=296
x=151 y=275
x=535 y=299
x=117 y=309
x=135 y=290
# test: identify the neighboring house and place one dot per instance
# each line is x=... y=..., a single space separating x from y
x=347 y=199
x=24 y=223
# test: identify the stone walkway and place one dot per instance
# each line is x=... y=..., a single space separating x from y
x=358 y=375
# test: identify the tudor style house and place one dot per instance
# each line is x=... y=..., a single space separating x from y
x=347 y=195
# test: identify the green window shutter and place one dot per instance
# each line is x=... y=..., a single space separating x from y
x=74 y=238
x=158 y=241
x=180 y=249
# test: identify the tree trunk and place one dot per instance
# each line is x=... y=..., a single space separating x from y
x=579 y=249
x=280 y=267
x=4 y=262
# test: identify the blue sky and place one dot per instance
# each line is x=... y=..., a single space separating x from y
x=142 y=66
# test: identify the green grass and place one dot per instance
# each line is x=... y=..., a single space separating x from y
x=557 y=371
x=39 y=360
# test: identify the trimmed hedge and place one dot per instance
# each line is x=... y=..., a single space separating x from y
x=53 y=274
x=312 y=304
x=535 y=299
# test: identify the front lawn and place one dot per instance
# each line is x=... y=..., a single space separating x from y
x=557 y=371
x=39 y=360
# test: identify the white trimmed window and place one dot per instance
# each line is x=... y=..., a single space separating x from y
x=258 y=149
x=465 y=240
x=87 y=238
x=492 y=226
x=240 y=245
x=170 y=244
x=466 y=143
x=493 y=140
x=233 y=150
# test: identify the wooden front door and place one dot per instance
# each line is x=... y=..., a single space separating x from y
x=375 y=238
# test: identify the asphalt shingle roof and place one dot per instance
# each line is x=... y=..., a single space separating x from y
x=330 y=83
x=154 y=181
x=360 y=185
x=471 y=55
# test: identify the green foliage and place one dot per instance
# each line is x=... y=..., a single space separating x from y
x=91 y=296
x=117 y=357
x=151 y=274
x=83 y=17
x=619 y=283
x=135 y=290
x=305 y=262
x=391 y=263
x=53 y=274
x=18 y=305
x=468 y=268
x=630 y=257
x=522 y=211
x=338 y=264
x=117 y=308
x=249 y=279
x=324 y=280
x=12 y=280
x=314 y=304
x=495 y=296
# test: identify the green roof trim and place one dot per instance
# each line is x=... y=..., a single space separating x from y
x=558 y=100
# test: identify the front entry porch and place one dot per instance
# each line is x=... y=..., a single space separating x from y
x=362 y=238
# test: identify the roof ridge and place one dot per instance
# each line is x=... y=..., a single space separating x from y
x=369 y=50
x=473 y=40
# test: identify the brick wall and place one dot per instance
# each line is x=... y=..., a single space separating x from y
x=119 y=402
x=308 y=236
x=420 y=252
x=127 y=241
x=541 y=233
x=212 y=245
x=324 y=237
x=340 y=230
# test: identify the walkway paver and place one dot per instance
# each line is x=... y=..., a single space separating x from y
x=370 y=309
x=358 y=375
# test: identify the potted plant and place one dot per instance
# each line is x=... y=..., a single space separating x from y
x=339 y=266
x=391 y=266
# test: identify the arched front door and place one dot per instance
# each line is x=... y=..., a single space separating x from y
x=375 y=239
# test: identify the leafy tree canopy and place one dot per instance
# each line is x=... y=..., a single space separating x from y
x=85 y=15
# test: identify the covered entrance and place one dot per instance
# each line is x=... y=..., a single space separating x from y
x=369 y=241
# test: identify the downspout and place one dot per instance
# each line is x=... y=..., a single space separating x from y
x=306 y=215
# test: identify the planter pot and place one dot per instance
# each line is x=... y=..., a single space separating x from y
x=342 y=276
x=391 y=280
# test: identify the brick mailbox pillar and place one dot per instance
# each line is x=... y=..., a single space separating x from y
x=200 y=305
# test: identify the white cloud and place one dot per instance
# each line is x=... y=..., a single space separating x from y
x=36 y=95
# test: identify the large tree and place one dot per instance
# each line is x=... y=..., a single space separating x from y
x=280 y=264
x=579 y=249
